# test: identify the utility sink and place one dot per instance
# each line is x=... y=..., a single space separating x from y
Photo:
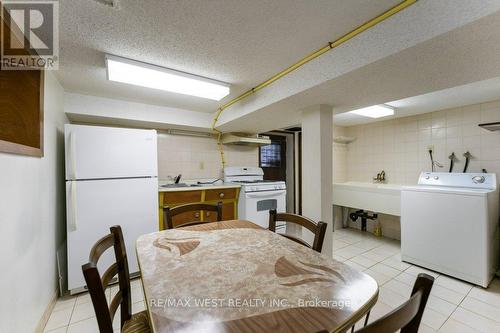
x=375 y=197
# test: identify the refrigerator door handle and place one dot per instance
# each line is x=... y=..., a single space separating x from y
x=73 y=214
x=72 y=154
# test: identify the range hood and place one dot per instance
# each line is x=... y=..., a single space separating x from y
x=491 y=126
x=245 y=139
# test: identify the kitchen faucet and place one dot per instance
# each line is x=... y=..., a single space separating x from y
x=380 y=177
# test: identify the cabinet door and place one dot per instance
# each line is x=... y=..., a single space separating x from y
x=186 y=217
x=210 y=216
x=227 y=213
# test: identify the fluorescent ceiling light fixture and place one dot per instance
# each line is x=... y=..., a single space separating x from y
x=150 y=76
x=375 y=111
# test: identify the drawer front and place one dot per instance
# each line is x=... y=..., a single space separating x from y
x=186 y=217
x=227 y=213
x=181 y=197
x=221 y=194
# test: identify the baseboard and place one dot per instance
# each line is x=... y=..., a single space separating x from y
x=46 y=314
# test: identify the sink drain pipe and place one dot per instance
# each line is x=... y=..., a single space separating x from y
x=364 y=217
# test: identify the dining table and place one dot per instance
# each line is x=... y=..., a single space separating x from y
x=235 y=276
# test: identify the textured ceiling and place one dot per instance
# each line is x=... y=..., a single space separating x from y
x=237 y=41
x=462 y=55
x=473 y=93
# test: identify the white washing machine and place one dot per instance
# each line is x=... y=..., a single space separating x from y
x=449 y=224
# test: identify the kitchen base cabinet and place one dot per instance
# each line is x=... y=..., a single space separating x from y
x=172 y=198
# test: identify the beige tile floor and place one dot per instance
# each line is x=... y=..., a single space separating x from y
x=453 y=307
x=75 y=314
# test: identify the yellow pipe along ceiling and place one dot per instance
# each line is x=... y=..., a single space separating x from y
x=331 y=45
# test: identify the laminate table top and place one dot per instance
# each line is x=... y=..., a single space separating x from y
x=234 y=276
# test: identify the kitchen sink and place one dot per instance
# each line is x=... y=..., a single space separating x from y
x=180 y=185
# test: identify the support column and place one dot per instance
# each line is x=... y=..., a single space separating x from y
x=317 y=175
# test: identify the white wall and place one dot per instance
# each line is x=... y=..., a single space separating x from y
x=340 y=156
x=186 y=155
x=317 y=170
x=399 y=147
x=32 y=222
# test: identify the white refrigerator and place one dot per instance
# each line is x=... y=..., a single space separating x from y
x=111 y=178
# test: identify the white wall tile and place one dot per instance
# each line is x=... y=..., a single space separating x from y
x=399 y=147
x=187 y=155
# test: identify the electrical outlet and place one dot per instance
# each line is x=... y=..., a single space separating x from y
x=202 y=165
x=430 y=147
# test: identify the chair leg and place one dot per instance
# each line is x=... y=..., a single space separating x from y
x=366 y=319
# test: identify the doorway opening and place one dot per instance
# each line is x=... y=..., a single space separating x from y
x=280 y=161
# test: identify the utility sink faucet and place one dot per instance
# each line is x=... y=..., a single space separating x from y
x=380 y=177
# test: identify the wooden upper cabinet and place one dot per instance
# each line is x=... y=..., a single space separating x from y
x=21 y=109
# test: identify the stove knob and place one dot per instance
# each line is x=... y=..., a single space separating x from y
x=478 y=179
x=436 y=177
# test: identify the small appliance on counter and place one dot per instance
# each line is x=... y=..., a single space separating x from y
x=257 y=196
x=449 y=223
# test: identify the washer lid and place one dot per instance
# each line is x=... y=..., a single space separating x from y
x=448 y=190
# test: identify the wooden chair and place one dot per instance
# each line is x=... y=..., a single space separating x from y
x=318 y=229
x=169 y=213
x=407 y=316
x=96 y=284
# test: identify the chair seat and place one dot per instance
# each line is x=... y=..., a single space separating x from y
x=139 y=323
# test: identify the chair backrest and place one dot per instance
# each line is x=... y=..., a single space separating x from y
x=169 y=213
x=318 y=229
x=406 y=317
x=97 y=284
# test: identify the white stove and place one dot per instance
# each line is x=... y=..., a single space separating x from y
x=257 y=196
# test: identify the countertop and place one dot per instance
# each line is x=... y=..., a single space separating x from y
x=216 y=186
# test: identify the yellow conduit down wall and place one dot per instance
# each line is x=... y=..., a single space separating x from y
x=331 y=45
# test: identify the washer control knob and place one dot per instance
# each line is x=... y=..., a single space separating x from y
x=436 y=177
x=478 y=179
x=427 y=177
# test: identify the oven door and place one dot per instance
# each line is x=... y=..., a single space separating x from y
x=258 y=204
